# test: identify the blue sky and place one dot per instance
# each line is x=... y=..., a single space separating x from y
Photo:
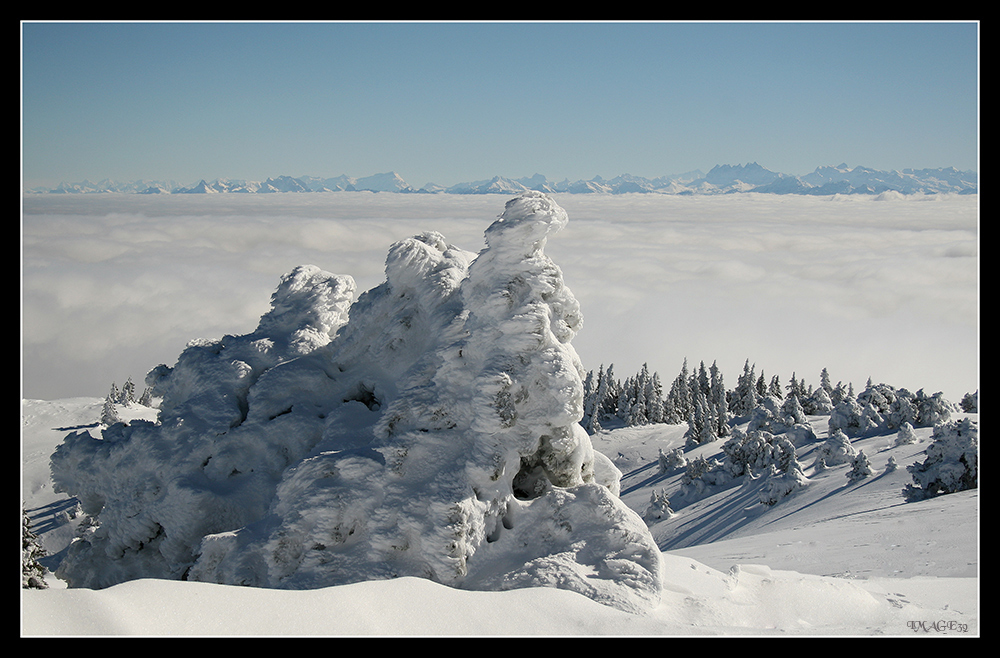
x=453 y=102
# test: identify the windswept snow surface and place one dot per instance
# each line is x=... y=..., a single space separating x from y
x=412 y=464
x=836 y=560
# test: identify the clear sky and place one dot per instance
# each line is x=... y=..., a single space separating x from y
x=454 y=102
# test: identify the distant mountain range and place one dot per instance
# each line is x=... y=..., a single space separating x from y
x=722 y=179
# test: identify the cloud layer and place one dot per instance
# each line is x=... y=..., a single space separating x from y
x=885 y=287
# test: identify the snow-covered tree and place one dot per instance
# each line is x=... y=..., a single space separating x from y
x=719 y=403
x=680 y=399
x=430 y=429
x=109 y=412
x=824 y=382
x=837 y=449
x=902 y=411
x=744 y=398
x=952 y=462
x=932 y=409
x=778 y=485
x=32 y=571
x=126 y=396
x=846 y=417
x=970 y=403
x=861 y=468
x=701 y=424
x=670 y=461
x=905 y=435
x=774 y=388
x=756 y=451
x=818 y=403
x=659 y=507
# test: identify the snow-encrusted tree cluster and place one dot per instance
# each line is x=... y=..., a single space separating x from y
x=952 y=462
x=123 y=397
x=881 y=408
x=756 y=451
x=698 y=399
x=32 y=571
x=429 y=429
x=638 y=400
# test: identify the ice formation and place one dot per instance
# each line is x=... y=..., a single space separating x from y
x=429 y=429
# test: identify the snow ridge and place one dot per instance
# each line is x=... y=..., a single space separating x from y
x=721 y=179
x=430 y=430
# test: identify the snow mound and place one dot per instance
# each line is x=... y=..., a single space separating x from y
x=429 y=429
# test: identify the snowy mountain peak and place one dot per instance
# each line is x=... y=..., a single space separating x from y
x=721 y=179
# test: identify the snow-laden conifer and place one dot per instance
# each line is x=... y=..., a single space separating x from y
x=952 y=462
x=32 y=571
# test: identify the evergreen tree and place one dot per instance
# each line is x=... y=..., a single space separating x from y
x=109 y=414
x=774 y=389
x=127 y=395
x=654 y=399
x=905 y=435
x=952 y=462
x=791 y=411
x=32 y=571
x=838 y=394
x=610 y=397
x=970 y=403
x=744 y=398
x=591 y=401
x=659 y=507
x=680 y=398
x=718 y=400
x=861 y=468
x=700 y=425
x=824 y=381
x=671 y=460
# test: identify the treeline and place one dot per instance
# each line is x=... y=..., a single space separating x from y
x=699 y=398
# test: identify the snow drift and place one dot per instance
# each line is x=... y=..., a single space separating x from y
x=429 y=429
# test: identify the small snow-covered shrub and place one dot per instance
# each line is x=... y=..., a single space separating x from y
x=861 y=468
x=952 y=462
x=905 y=435
x=837 y=449
x=778 y=485
x=670 y=461
x=659 y=507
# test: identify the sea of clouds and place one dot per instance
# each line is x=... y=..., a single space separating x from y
x=885 y=286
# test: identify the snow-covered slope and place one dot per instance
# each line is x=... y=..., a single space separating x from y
x=833 y=560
